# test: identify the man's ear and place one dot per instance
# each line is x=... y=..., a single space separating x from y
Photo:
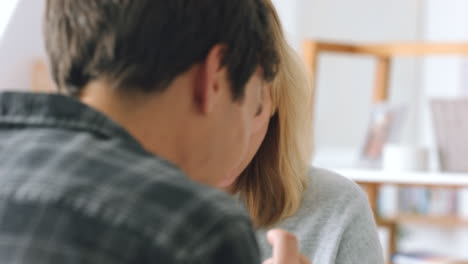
x=211 y=76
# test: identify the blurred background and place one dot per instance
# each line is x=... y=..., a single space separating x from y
x=409 y=149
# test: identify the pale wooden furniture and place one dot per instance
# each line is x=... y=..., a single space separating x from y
x=40 y=77
x=371 y=181
x=383 y=54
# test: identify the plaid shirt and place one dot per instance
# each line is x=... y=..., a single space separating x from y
x=76 y=188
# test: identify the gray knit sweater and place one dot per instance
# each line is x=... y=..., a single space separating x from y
x=334 y=223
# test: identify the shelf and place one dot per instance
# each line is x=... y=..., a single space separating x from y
x=446 y=221
x=392 y=49
x=430 y=179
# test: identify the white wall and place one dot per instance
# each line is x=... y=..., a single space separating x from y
x=20 y=44
x=6 y=9
x=288 y=11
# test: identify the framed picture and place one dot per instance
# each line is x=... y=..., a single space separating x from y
x=384 y=127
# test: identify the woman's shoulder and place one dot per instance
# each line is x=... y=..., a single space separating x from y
x=330 y=203
x=331 y=184
x=341 y=208
x=331 y=190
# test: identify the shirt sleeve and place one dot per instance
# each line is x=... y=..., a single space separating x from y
x=230 y=242
x=360 y=242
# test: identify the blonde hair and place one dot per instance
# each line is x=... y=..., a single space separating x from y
x=272 y=184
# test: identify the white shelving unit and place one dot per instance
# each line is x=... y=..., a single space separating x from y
x=372 y=181
x=436 y=179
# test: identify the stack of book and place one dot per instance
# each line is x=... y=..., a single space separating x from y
x=423 y=201
x=394 y=201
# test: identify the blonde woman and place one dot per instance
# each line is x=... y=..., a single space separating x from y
x=329 y=214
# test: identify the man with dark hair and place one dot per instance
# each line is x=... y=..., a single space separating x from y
x=157 y=99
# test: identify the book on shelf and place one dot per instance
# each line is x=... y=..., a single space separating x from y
x=394 y=201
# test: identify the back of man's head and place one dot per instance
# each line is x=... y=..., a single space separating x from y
x=143 y=45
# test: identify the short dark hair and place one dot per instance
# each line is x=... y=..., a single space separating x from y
x=144 y=44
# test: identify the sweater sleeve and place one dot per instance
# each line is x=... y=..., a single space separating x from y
x=360 y=243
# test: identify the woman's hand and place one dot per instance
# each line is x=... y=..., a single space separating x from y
x=285 y=248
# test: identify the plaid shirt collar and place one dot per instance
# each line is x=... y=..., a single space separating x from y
x=54 y=110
